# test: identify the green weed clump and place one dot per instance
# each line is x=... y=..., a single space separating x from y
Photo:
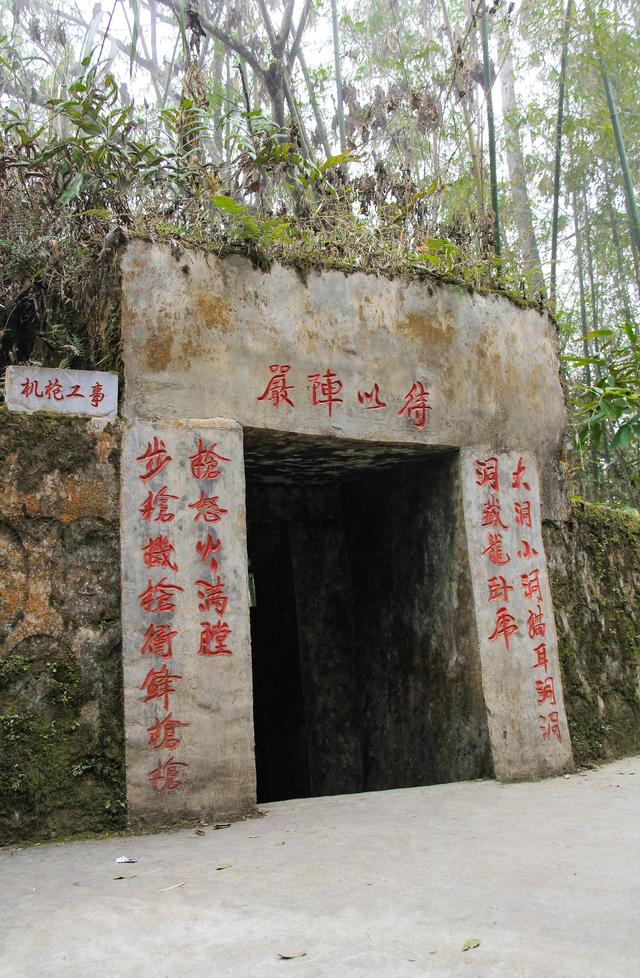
x=75 y=188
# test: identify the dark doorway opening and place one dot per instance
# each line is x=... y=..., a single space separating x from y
x=363 y=640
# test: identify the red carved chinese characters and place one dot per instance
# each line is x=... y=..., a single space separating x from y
x=520 y=619
x=523 y=514
x=531 y=585
x=491 y=513
x=157 y=552
x=526 y=552
x=205 y=548
x=97 y=395
x=213 y=639
x=162 y=733
x=155 y=508
x=159 y=597
x=155 y=457
x=207 y=508
x=277 y=390
x=164 y=777
x=505 y=627
x=371 y=399
x=205 y=463
x=30 y=388
x=157 y=641
x=536 y=623
x=550 y=726
x=541 y=662
x=54 y=390
x=545 y=691
x=498 y=589
x=487 y=473
x=518 y=476
x=416 y=405
x=325 y=389
x=494 y=550
x=212 y=596
x=158 y=685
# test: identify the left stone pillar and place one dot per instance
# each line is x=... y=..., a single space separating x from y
x=185 y=619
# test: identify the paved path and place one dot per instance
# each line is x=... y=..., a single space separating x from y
x=386 y=885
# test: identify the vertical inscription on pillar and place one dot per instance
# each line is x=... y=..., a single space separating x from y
x=185 y=620
x=514 y=611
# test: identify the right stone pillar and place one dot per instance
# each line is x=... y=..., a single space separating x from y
x=514 y=612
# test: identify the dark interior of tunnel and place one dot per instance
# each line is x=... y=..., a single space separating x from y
x=364 y=672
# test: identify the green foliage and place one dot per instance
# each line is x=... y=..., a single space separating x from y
x=74 y=189
x=608 y=409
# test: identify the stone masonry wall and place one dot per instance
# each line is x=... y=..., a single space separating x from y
x=594 y=566
x=61 y=727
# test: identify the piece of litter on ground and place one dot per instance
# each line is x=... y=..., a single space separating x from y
x=126 y=859
x=471 y=943
x=174 y=886
x=132 y=876
x=222 y=825
x=291 y=954
x=199 y=831
x=280 y=843
x=224 y=866
x=253 y=836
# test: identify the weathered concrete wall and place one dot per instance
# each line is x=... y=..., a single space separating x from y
x=514 y=615
x=186 y=646
x=61 y=724
x=594 y=565
x=198 y=330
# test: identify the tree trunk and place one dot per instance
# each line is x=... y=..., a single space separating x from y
x=322 y=132
x=517 y=173
x=593 y=288
x=584 y=326
x=630 y=199
x=558 y=156
x=338 y=66
x=468 y=121
x=584 y=329
x=615 y=237
x=490 y=126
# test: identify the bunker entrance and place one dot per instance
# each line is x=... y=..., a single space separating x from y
x=361 y=624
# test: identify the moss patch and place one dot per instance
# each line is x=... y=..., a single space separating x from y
x=594 y=563
x=61 y=711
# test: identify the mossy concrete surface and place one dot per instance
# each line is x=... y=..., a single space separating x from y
x=61 y=727
x=594 y=566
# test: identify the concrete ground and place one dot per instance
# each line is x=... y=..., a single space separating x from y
x=545 y=876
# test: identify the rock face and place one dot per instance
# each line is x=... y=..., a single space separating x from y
x=61 y=732
x=594 y=565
